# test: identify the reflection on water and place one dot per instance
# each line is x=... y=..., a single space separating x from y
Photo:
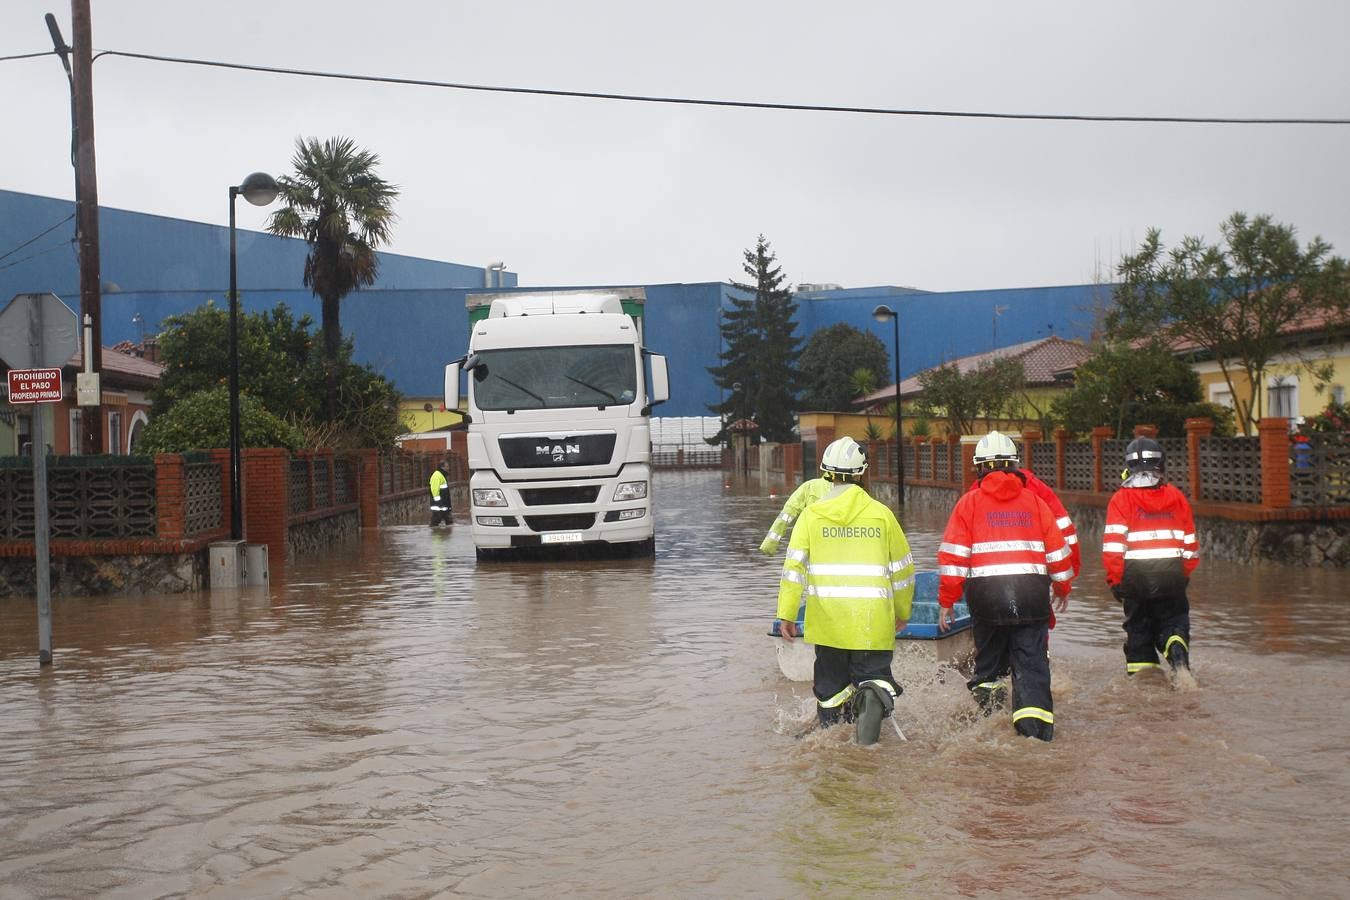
x=398 y=720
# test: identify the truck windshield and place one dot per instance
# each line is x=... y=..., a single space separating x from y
x=556 y=377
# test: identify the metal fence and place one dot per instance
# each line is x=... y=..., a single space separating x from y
x=1320 y=475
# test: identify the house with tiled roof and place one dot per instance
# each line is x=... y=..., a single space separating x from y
x=127 y=377
x=1048 y=364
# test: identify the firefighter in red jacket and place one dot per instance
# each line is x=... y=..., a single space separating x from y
x=1149 y=551
x=1004 y=550
x=1062 y=519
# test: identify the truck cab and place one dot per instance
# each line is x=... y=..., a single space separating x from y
x=560 y=391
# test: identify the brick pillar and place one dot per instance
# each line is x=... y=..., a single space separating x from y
x=1274 y=462
x=1100 y=435
x=1061 y=454
x=1196 y=429
x=1030 y=436
x=967 y=465
x=1148 y=431
x=368 y=486
x=267 y=499
x=170 y=510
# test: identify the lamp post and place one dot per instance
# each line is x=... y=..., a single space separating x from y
x=260 y=190
x=882 y=313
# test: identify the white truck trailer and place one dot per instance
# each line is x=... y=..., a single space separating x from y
x=560 y=392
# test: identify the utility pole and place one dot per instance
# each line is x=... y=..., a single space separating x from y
x=79 y=61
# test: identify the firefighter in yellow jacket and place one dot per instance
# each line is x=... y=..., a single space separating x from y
x=807 y=492
x=848 y=556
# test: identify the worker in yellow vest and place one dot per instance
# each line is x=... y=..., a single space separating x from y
x=849 y=557
x=440 y=494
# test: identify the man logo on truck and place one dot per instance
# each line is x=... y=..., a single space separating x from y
x=559 y=452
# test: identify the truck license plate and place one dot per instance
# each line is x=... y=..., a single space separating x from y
x=561 y=537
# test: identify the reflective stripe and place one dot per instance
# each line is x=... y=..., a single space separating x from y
x=954 y=549
x=1070 y=538
x=1061 y=576
x=846 y=569
x=988 y=685
x=786 y=519
x=897 y=586
x=838 y=699
x=1189 y=554
x=884 y=685
x=793 y=576
x=1176 y=639
x=958 y=571
x=1034 y=712
x=849 y=592
x=796 y=555
x=1115 y=529
x=1057 y=555
x=1008 y=546
x=1063 y=522
x=1160 y=535
x=1144 y=454
x=1007 y=569
x=773 y=536
x=1131 y=668
x=1155 y=553
x=1190 y=538
x=901 y=565
x=1113 y=547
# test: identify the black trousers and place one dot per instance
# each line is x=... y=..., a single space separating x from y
x=1152 y=622
x=837 y=669
x=1021 y=650
x=440 y=508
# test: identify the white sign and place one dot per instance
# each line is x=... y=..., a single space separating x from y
x=34 y=385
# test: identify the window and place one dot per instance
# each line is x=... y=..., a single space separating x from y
x=1282 y=397
x=555 y=377
x=76 y=437
x=1219 y=394
x=1338 y=394
x=25 y=435
x=114 y=433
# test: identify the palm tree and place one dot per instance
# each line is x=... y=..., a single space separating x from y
x=337 y=203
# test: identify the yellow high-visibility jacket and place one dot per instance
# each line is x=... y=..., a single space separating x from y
x=849 y=557
x=807 y=492
x=438 y=481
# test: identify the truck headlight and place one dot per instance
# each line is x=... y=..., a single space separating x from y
x=631 y=490
x=489 y=497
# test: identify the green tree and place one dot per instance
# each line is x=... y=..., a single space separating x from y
x=281 y=369
x=343 y=210
x=964 y=398
x=1234 y=301
x=1123 y=385
x=760 y=348
x=829 y=363
x=201 y=421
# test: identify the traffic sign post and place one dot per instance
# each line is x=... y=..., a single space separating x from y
x=38 y=331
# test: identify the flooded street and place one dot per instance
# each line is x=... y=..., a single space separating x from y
x=397 y=720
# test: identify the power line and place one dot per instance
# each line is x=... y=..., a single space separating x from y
x=28 y=55
x=739 y=104
x=36 y=236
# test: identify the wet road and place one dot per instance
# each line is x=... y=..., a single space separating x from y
x=399 y=721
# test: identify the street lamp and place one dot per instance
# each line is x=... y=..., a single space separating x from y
x=260 y=190
x=882 y=313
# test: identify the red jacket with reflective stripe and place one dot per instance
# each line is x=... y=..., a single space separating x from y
x=1002 y=548
x=1066 y=526
x=1149 y=542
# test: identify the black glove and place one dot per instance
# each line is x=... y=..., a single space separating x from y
x=1118 y=592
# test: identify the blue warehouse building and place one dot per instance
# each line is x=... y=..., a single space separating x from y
x=414 y=319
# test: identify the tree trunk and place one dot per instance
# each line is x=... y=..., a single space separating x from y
x=332 y=340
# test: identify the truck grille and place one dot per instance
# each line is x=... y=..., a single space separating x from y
x=570 y=522
x=560 y=495
x=546 y=453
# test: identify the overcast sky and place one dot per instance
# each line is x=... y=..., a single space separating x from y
x=576 y=191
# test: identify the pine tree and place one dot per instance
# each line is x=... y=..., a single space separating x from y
x=760 y=348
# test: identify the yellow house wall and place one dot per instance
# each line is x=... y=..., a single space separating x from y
x=1310 y=400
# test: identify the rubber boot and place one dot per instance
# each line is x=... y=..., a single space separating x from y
x=874 y=703
x=1035 y=728
x=1177 y=657
x=990 y=699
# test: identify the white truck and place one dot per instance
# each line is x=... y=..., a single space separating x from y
x=560 y=395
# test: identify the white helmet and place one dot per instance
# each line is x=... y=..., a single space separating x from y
x=843 y=457
x=996 y=450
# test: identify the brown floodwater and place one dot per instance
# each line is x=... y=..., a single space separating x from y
x=396 y=720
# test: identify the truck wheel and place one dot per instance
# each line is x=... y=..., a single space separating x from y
x=639 y=549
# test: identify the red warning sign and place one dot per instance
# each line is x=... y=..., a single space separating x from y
x=34 y=385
